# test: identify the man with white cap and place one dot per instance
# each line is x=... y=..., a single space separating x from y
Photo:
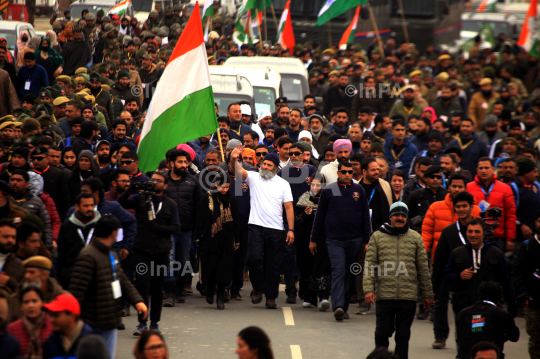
x=396 y=262
x=246 y=114
x=264 y=119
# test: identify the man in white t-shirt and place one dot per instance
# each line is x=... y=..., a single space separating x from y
x=269 y=195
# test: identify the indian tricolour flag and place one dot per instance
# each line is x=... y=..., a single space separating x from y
x=120 y=9
x=182 y=107
x=348 y=36
x=487 y=4
x=529 y=32
x=285 y=36
x=334 y=8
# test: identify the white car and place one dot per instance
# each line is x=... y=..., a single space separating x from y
x=10 y=31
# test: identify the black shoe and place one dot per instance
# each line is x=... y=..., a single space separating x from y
x=210 y=299
x=339 y=314
x=225 y=296
x=291 y=298
x=256 y=297
x=181 y=297
x=271 y=304
x=219 y=302
x=121 y=326
x=126 y=312
x=169 y=300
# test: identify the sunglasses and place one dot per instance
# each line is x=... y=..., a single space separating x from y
x=127 y=162
x=295 y=153
x=346 y=172
x=37 y=159
x=435 y=177
x=259 y=154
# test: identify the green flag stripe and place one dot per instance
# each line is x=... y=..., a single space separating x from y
x=177 y=125
x=338 y=8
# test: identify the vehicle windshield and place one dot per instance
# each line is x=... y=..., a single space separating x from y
x=292 y=87
x=224 y=100
x=264 y=98
x=476 y=25
x=76 y=9
x=10 y=36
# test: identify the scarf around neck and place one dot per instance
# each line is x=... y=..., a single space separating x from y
x=33 y=351
x=393 y=231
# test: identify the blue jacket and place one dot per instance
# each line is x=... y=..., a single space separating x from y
x=9 y=346
x=406 y=157
x=239 y=126
x=65 y=126
x=342 y=214
x=129 y=223
x=527 y=203
x=472 y=153
x=37 y=76
x=200 y=153
x=53 y=347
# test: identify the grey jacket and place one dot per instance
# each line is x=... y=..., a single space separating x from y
x=35 y=205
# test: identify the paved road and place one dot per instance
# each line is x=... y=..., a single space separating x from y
x=196 y=329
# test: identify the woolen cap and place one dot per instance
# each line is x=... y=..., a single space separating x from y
x=399 y=207
x=272 y=157
x=525 y=166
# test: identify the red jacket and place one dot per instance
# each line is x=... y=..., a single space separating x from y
x=18 y=331
x=439 y=216
x=501 y=196
x=53 y=214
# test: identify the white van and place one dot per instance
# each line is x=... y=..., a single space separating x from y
x=294 y=76
x=229 y=89
x=508 y=24
x=266 y=84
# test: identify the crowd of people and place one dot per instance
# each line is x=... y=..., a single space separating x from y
x=419 y=185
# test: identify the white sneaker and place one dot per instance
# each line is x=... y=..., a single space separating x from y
x=307 y=305
x=324 y=305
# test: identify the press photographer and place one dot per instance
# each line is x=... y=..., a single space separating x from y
x=157 y=220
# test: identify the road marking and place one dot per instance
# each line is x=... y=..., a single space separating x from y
x=287 y=313
x=296 y=353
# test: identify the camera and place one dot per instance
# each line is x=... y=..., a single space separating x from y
x=146 y=187
x=493 y=215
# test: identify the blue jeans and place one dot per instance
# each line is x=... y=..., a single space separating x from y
x=110 y=337
x=342 y=255
x=180 y=252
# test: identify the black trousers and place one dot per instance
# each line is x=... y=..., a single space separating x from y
x=237 y=281
x=150 y=283
x=265 y=256
x=394 y=315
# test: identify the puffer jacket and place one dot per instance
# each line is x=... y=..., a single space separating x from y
x=404 y=264
x=35 y=205
x=53 y=214
x=187 y=194
x=440 y=215
x=500 y=196
x=91 y=285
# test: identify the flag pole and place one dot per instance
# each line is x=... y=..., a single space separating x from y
x=264 y=20
x=274 y=16
x=403 y=21
x=376 y=30
x=220 y=145
x=329 y=35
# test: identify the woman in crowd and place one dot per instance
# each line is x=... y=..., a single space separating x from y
x=32 y=45
x=50 y=34
x=397 y=182
x=217 y=237
x=67 y=34
x=35 y=325
x=314 y=266
x=69 y=158
x=49 y=58
x=254 y=343
x=85 y=167
x=150 y=346
x=22 y=41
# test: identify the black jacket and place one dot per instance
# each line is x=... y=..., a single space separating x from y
x=448 y=241
x=336 y=97
x=528 y=263
x=483 y=321
x=153 y=237
x=76 y=54
x=411 y=186
x=419 y=202
x=374 y=102
x=187 y=194
x=492 y=268
x=55 y=183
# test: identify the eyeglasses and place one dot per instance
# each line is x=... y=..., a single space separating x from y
x=346 y=172
x=259 y=154
x=435 y=177
x=157 y=180
x=127 y=163
x=38 y=159
x=295 y=153
x=155 y=348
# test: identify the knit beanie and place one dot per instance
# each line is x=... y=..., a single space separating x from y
x=279 y=132
x=511 y=139
x=272 y=157
x=22 y=151
x=525 y=166
x=87 y=154
x=377 y=145
x=307 y=146
x=399 y=207
x=340 y=144
x=436 y=135
x=306 y=134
